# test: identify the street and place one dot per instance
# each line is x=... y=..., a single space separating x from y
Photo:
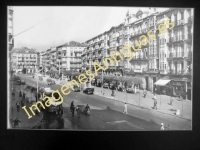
x=106 y=114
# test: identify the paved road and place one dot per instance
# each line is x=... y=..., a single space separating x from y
x=107 y=114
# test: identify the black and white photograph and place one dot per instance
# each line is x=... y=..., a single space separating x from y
x=97 y=68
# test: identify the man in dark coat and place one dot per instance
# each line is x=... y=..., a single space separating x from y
x=78 y=112
x=16 y=122
x=61 y=111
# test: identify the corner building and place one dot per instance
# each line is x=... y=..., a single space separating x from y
x=169 y=56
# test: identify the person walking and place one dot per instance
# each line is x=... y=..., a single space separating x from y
x=61 y=111
x=171 y=100
x=125 y=108
x=22 y=103
x=72 y=110
x=16 y=122
x=20 y=93
x=155 y=90
x=144 y=93
x=18 y=106
x=72 y=104
x=162 y=126
x=78 y=112
x=155 y=102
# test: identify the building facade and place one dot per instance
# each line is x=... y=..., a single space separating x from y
x=24 y=58
x=69 y=56
x=168 y=56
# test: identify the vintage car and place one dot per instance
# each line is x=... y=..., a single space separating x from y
x=50 y=81
x=121 y=88
x=106 y=85
x=88 y=90
x=130 y=89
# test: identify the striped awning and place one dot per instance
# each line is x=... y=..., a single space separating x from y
x=162 y=82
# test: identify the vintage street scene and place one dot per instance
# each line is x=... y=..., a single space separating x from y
x=99 y=68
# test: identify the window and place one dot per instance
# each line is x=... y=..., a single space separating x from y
x=182 y=16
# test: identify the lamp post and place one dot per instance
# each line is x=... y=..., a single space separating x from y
x=102 y=78
x=37 y=83
x=90 y=68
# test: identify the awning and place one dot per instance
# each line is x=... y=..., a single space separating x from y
x=162 y=82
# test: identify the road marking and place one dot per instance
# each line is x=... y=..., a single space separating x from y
x=124 y=121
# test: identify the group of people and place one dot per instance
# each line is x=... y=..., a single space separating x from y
x=78 y=109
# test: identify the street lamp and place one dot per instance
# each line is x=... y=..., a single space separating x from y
x=90 y=68
x=37 y=83
x=102 y=78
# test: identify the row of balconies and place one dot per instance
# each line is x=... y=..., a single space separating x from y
x=180 y=54
x=179 y=72
x=75 y=62
x=73 y=67
x=176 y=55
x=176 y=23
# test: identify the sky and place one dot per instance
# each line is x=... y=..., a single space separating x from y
x=54 y=26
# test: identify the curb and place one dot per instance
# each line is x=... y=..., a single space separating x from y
x=144 y=107
x=39 y=120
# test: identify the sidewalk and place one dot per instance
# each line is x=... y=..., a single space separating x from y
x=21 y=115
x=137 y=99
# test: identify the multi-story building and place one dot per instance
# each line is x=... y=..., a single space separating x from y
x=10 y=29
x=69 y=56
x=24 y=58
x=170 y=55
x=175 y=49
x=10 y=37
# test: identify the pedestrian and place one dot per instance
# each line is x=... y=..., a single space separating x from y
x=72 y=104
x=155 y=90
x=24 y=95
x=72 y=110
x=78 y=112
x=61 y=111
x=162 y=126
x=155 y=101
x=22 y=103
x=171 y=100
x=125 y=108
x=18 y=105
x=20 y=93
x=16 y=122
x=144 y=93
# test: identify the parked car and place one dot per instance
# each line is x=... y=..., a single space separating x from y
x=88 y=91
x=113 y=87
x=121 y=88
x=19 y=82
x=98 y=85
x=106 y=85
x=50 y=82
x=111 y=84
x=130 y=89
x=76 y=88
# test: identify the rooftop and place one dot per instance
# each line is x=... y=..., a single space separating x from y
x=24 y=50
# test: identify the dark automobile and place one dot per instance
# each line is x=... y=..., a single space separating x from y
x=98 y=85
x=105 y=85
x=76 y=88
x=121 y=88
x=113 y=87
x=130 y=89
x=19 y=82
x=88 y=90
